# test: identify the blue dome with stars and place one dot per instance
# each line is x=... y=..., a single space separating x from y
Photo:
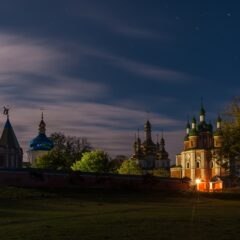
x=41 y=142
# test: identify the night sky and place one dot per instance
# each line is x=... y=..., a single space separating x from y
x=97 y=67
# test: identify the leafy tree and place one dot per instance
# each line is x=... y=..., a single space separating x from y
x=95 y=161
x=116 y=163
x=161 y=172
x=66 y=151
x=131 y=167
x=54 y=160
x=72 y=146
x=231 y=134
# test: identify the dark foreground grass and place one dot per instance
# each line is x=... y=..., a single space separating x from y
x=96 y=214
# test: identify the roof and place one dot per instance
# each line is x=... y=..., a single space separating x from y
x=218 y=132
x=41 y=142
x=204 y=127
x=8 y=138
x=193 y=132
x=202 y=110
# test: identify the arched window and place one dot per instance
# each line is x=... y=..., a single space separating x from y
x=188 y=165
x=198 y=164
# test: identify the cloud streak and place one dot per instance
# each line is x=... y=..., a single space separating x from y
x=32 y=76
x=109 y=127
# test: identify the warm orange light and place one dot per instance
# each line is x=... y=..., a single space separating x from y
x=198 y=181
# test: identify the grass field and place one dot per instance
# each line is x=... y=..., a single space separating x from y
x=96 y=214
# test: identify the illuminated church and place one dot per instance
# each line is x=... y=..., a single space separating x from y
x=201 y=159
x=40 y=145
x=148 y=154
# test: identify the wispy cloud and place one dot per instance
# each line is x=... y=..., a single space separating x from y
x=32 y=76
x=118 y=24
x=151 y=72
x=33 y=70
x=106 y=126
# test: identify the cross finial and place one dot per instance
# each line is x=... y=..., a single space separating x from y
x=6 y=111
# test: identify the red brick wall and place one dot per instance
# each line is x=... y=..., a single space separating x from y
x=188 y=173
x=35 y=178
x=198 y=173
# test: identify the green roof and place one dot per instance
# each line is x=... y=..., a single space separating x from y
x=193 y=132
x=219 y=119
x=218 y=132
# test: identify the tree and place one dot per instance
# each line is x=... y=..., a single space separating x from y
x=231 y=135
x=161 y=172
x=116 y=163
x=95 y=161
x=66 y=151
x=130 y=167
x=54 y=160
x=72 y=146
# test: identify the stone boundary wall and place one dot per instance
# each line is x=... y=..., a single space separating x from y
x=40 y=178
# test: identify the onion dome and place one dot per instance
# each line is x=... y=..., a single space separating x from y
x=193 y=132
x=219 y=119
x=202 y=111
x=163 y=154
x=202 y=114
x=194 y=120
x=204 y=127
x=218 y=131
x=209 y=127
x=147 y=126
x=41 y=142
x=148 y=138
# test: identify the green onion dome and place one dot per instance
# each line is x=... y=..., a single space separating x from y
x=193 y=132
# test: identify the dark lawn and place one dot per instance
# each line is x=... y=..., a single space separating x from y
x=96 y=214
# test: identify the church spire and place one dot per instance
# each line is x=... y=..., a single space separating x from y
x=162 y=143
x=219 y=122
x=202 y=112
x=42 y=125
x=188 y=127
x=147 y=129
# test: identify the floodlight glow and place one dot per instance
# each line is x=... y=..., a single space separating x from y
x=198 y=181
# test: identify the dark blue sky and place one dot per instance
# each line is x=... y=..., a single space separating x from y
x=96 y=67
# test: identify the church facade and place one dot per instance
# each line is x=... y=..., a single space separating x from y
x=201 y=159
x=148 y=154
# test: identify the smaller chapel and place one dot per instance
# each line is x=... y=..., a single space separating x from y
x=40 y=145
x=148 y=154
